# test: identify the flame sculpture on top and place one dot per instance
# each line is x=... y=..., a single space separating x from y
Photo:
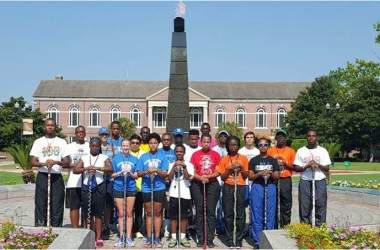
x=181 y=9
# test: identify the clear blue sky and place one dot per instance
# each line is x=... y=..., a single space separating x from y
x=241 y=41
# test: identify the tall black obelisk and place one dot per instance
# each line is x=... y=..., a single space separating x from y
x=178 y=100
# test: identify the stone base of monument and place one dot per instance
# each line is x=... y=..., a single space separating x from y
x=70 y=238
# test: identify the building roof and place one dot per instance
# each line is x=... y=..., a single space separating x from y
x=141 y=89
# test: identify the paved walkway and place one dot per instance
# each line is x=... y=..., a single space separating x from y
x=343 y=208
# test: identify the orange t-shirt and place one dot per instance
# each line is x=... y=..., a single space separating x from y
x=227 y=161
x=287 y=154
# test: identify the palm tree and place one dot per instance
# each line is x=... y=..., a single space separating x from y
x=20 y=154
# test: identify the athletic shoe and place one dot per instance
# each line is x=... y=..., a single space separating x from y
x=157 y=243
x=139 y=235
x=130 y=242
x=210 y=245
x=200 y=244
x=172 y=243
x=119 y=243
x=185 y=243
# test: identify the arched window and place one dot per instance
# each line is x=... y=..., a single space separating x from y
x=196 y=117
x=53 y=113
x=281 y=114
x=135 y=116
x=240 y=116
x=115 y=113
x=94 y=116
x=220 y=116
x=159 y=117
x=261 y=118
x=73 y=116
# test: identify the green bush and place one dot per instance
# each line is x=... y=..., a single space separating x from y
x=233 y=129
x=298 y=143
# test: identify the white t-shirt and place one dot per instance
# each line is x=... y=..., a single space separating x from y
x=185 y=184
x=221 y=151
x=249 y=153
x=190 y=151
x=76 y=152
x=96 y=161
x=49 y=149
x=305 y=155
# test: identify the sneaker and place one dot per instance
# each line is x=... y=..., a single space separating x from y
x=200 y=244
x=119 y=243
x=185 y=243
x=210 y=245
x=157 y=243
x=148 y=243
x=99 y=243
x=139 y=235
x=172 y=243
x=167 y=234
x=130 y=242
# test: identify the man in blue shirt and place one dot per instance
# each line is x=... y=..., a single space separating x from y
x=115 y=139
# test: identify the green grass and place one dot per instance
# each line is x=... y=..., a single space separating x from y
x=7 y=178
x=352 y=178
x=359 y=166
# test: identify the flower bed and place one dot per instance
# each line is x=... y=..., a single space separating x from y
x=12 y=237
x=365 y=184
x=333 y=238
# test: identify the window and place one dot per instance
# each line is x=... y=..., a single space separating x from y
x=281 y=114
x=135 y=116
x=94 y=116
x=240 y=117
x=53 y=113
x=261 y=118
x=71 y=139
x=73 y=116
x=115 y=114
x=220 y=116
x=196 y=117
x=159 y=117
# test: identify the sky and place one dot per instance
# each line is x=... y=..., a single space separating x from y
x=227 y=41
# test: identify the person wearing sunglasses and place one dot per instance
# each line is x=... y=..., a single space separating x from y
x=138 y=224
x=264 y=172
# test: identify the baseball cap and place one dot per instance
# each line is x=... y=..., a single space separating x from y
x=281 y=131
x=103 y=131
x=223 y=132
x=178 y=132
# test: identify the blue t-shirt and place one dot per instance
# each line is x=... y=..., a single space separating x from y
x=160 y=162
x=170 y=154
x=116 y=144
x=119 y=163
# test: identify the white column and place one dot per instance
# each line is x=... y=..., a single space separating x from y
x=205 y=113
x=150 y=117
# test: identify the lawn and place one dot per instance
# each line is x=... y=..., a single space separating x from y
x=7 y=178
x=352 y=178
x=360 y=166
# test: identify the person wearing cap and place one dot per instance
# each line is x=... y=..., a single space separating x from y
x=264 y=173
x=221 y=147
x=108 y=150
x=285 y=157
x=178 y=137
x=205 y=129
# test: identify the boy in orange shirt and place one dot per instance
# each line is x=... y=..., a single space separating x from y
x=233 y=167
x=285 y=157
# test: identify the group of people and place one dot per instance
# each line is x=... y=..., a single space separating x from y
x=207 y=184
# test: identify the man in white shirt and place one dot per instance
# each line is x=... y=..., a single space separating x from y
x=75 y=151
x=221 y=147
x=249 y=150
x=193 y=144
x=312 y=161
x=48 y=154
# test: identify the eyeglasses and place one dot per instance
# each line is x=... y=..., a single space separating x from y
x=135 y=142
x=263 y=145
x=104 y=135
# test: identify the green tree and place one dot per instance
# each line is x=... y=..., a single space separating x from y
x=232 y=128
x=128 y=128
x=11 y=115
x=377 y=28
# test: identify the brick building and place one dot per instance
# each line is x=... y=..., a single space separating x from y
x=257 y=106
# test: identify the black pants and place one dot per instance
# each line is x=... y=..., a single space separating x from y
x=306 y=203
x=138 y=222
x=228 y=209
x=285 y=201
x=212 y=196
x=57 y=197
